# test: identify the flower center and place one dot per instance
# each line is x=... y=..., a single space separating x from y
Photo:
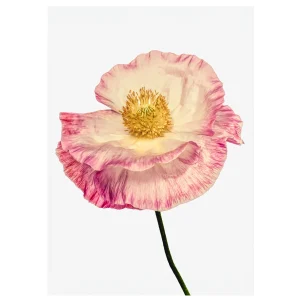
x=146 y=114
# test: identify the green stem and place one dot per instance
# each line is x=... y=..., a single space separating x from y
x=168 y=253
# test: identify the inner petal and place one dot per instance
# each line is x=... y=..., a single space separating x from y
x=192 y=89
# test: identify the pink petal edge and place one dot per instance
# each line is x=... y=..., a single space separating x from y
x=228 y=125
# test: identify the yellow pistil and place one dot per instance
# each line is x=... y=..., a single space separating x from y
x=146 y=114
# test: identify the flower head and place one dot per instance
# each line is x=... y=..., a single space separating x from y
x=161 y=143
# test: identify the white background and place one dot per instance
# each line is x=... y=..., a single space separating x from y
x=92 y=250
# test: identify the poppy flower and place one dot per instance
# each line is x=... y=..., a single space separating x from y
x=161 y=143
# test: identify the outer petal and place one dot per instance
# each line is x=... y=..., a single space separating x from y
x=160 y=188
x=228 y=125
x=83 y=176
x=99 y=140
x=190 y=85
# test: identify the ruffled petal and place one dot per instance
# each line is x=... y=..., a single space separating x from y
x=228 y=125
x=159 y=188
x=99 y=140
x=190 y=85
x=83 y=176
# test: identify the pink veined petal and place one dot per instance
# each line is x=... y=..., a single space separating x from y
x=190 y=85
x=99 y=140
x=83 y=176
x=228 y=125
x=159 y=188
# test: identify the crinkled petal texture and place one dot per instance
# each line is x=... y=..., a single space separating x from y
x=117 y=170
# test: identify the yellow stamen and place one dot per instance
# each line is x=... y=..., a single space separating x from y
x=146 y=114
